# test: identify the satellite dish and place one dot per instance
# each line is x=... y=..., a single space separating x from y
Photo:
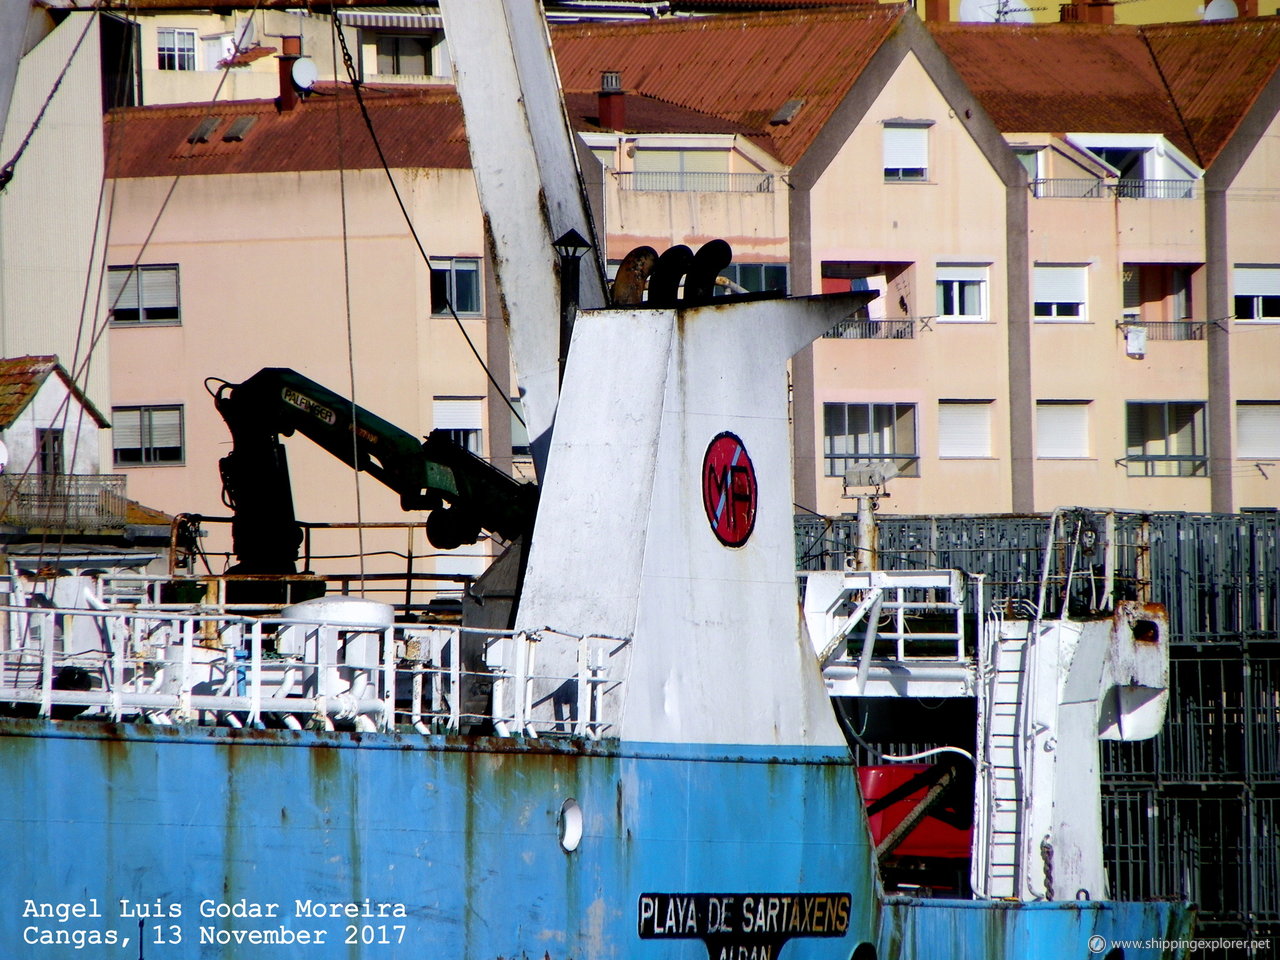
x=1220 y=10
x=246 y=33
x=304 y=73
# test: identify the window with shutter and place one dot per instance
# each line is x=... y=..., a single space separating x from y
x=906 y=150
x=1257 y=292
x=1059 y=291
x=143 y=436
x=964 y=428
x=461 y=418
x=681 y=169
x=147 y=293
x=1258 y=429
x=1062 y=429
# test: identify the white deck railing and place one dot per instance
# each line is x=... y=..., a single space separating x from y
x=167 y=667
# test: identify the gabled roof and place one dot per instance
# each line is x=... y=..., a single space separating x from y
x=1216 y=72
x=1191 y=82
x=21 y=379
x=742 y=68
x=417 y=127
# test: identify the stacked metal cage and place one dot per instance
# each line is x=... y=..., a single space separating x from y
x=1195 y=813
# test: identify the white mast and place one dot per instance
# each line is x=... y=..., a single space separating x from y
x=530 y=185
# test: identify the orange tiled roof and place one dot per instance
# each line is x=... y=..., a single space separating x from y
x=417 y=127
x=1216 y=72
x=245 y=57
x=1192 y=82
x=140 y=514
x=20 y=380
x=742 y=68
x=647 y=115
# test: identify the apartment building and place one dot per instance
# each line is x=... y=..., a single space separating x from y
x=1078 y=316
x=1059 y=311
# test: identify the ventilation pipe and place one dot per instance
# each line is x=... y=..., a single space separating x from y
x=291 y=52
x=612 y=101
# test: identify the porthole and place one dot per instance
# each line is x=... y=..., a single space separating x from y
x=570 y=825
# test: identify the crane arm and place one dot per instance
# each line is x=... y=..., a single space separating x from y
x=464 y=493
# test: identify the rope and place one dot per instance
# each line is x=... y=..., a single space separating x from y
x=346 y=293
x=349 y=64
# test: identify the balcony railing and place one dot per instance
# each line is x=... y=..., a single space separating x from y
x=858 y=329
x=1168 y=329
x=64 y=502
x=1091 y=188
x=678 y=182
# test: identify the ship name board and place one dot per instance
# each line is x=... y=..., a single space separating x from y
x=742 y=925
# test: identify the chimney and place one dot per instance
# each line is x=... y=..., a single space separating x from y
x=291 y=52
x=612 y=106
x=937 y=11
x=1100 y=11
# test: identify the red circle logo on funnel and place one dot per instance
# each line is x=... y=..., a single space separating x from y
x=729 y=490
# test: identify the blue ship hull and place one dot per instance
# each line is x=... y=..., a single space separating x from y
x=145 y=841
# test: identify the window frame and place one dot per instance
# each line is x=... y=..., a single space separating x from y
x=444 y=278
x=148 y=451
x=951 y=428
x=905 y=150
x=1256 y=290
x=1041 y=276
x=1084 y=408
x=139 y=285
x=428 y=42
x=462 y=420
x=519 y=431
x=763 y=277
x=51 y=458
x=903 y=451
x=176 y=55
x=1263 y=429
x=1144 y=463
x=953 y=277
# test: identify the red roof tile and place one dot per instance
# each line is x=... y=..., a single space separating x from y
x=246 y=57
x=1062 y=77
x=647 y=115
x=417 y=127
x=1216 y=72
x=20 y=380
x=741 y=68
x=1191 y=82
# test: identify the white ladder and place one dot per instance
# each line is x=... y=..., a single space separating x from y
x=1000 y=695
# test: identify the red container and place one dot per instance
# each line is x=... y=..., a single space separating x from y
x=931 y=836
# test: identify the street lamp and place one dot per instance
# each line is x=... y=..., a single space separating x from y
x=570 y=248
